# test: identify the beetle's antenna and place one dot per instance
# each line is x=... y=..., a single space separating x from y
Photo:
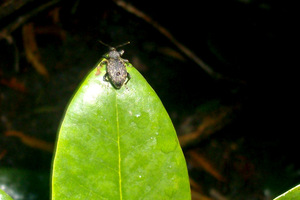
x=123 y=44
x=104 y=44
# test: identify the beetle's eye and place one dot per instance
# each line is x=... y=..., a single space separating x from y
x=118 y=73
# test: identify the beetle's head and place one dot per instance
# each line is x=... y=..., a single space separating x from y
x=113 y=53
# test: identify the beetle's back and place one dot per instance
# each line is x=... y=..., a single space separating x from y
x=117 y=73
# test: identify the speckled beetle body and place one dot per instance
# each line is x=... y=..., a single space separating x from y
x=116 y=71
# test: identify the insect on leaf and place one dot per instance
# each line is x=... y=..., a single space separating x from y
x=118 y=144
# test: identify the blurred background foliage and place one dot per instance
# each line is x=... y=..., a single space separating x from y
x=225 y=71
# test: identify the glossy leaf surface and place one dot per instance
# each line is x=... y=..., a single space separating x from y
x=118 y=144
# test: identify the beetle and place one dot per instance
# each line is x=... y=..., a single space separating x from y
x=116 y=72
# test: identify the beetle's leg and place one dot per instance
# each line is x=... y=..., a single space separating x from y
x=100 y=66
x=128 y=78
x=105 y=77
x=106 y=56
x=121 y=52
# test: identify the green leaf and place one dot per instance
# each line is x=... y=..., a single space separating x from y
x=118 y=144
x=292 y=194
x=4 y=196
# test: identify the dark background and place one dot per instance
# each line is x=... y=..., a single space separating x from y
x=246 y=117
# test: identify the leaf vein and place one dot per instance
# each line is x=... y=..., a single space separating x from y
x=119 y=150
x=110 y=138
x=86 y=188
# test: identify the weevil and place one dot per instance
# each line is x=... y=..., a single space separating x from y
x=116 y=72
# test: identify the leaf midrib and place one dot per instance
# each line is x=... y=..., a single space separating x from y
x=119 y=149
